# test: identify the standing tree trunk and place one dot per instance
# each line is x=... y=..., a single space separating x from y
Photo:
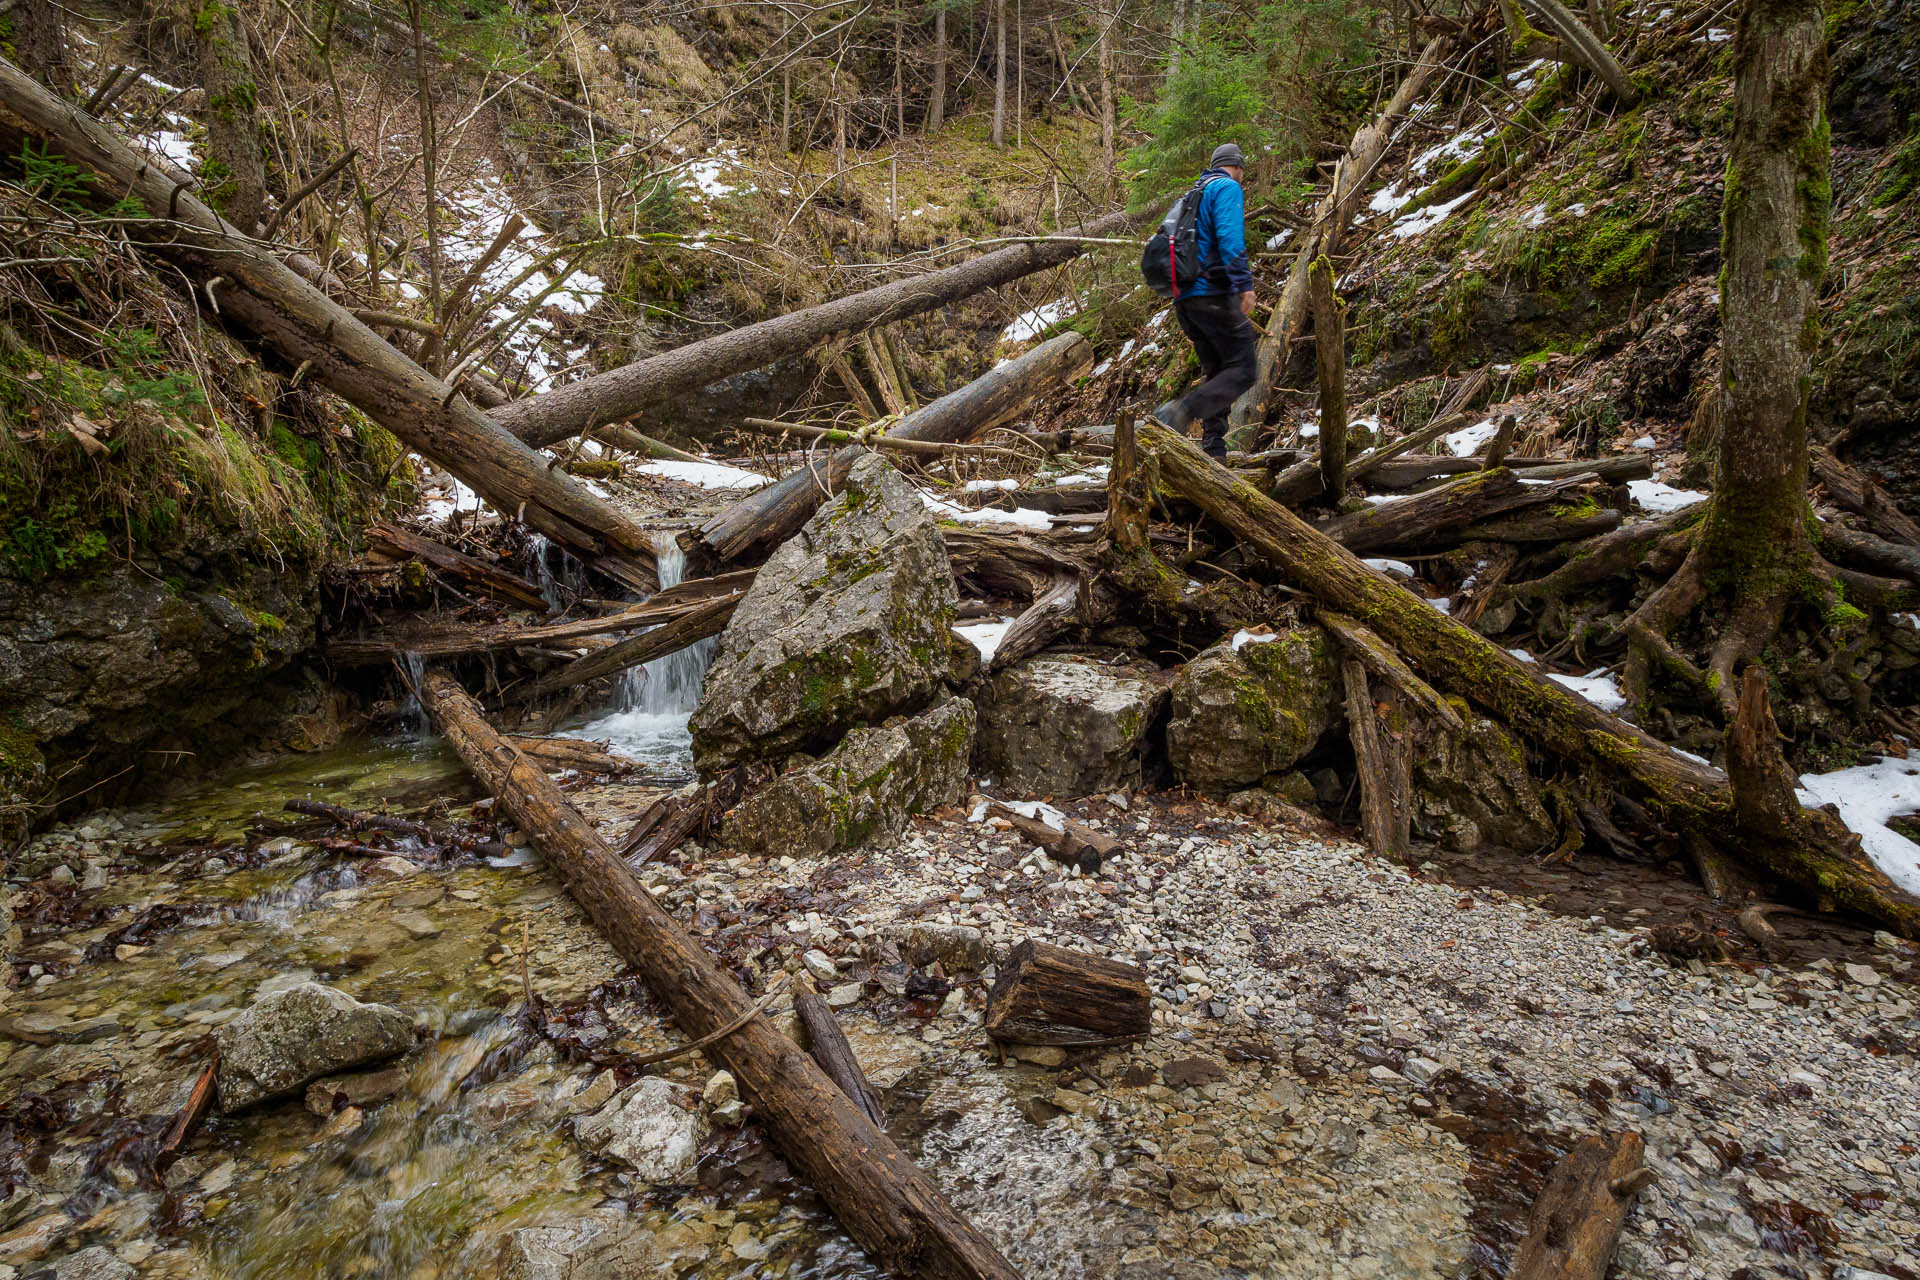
x=235 y=175
x=40 y=43
x=899 y=73
x=937 y=99
x=1774 y=245
x=1106 y=19
x=1000 y=73
x=429 y=155
x=1178 y=34
x=1019 y=74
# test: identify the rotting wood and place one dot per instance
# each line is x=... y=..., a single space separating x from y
x=1691 y=796
x=1300 y=482
x=756 y=524
x=880 y=1198
x=1052 y=613
x=1330 y=357
x=1473 y=498
x=1379 y=658
x=252 y=289
x=1380 y=759
x=704 y=620
x=674 y=818
x=187 y=1121
x=1574 y=1226
x=573 y=753
x=1051 y=995
x=437 y=837
x=479 y=576
x=1073 y=843
x=1854 y=491
x=1538 y=526
x=625 y=392
x=827 y=1043
x=442 y=641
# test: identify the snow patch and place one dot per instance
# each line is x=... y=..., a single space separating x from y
x=1421 y=221
x=708 y=475
x=1398 y=566
x=1596 y=687
x=1867 y=796
x=1645 y=442
x=1466 y=442
x=1661 y=498
x=1241 y=639
x=1020 y=518
x=986 y=637
x=1029 y=325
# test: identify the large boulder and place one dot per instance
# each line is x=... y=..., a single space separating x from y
x=301 y=1034
x=655 y=1126
x=1065 y=725
x=1250 y=707
x=846 y=624
x=866 y=787
x=1472 y=789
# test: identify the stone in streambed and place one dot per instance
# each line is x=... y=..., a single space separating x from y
x=300 y=1034
x=648 y=1128
x=866 y=787
x=606 y=1246
x=1066 y=725
x=1241 y=714
x=845 y=625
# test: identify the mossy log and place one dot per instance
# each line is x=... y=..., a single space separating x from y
x=878 y=1195
x=1684 y=793
x=479 y=577
x=249 y=288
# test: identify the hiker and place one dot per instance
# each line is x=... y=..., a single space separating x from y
x=1213 y=311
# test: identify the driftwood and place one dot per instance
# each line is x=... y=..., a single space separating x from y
x=674 y=818
x=624 y=392
x=1380 y=746
x=425 y=832
x=477 y=575
x=190 y=1116
x=829 y=1047
x=706 y=619
x=1074 y=843
x=1050 y=995
x=1574 y=1226
x=1052 y=613
x=761 y=521
x=248 y=287
x=554 y=754
x=878 y=1195
x=1693 y=797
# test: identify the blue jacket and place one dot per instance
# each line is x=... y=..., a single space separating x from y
x=1222 y=237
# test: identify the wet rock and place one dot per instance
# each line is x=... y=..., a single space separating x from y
x=954 y=947
x=291 y=1037
x=1239 y=715
x=594 y=1094
x=1065 y=725
x=1039 y=1055
x=866 y=787
x=649 y=1128
x=1471 y=789
x=604 y=1247
x=721 y=1088
x=359 y=1089
x=1187 y=1073
x=846 y=624
x=95 y=1263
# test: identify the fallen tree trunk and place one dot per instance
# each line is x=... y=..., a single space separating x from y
x=1301 y=481
x=1404 y=473
x=571 y=753
x=442 y=642
x=828 y=1045
x=1574 y=1226
x=878 y=1195
x=242 y=282
x=1693 y=797
x=1856 y=492
x=762 y=520
x=1378 y=730
x=1073 y=843
x=479 y=576
x=708 y=619
x=1407 y=521
x=622 y=393
x=1050 y=995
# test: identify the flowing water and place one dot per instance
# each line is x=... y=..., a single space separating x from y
x=648 y=720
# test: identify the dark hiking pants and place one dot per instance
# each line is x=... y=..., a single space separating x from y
x=1222 y=336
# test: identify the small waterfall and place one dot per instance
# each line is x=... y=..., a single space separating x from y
x=558 y=590
x=652 y=703
x=418 y=720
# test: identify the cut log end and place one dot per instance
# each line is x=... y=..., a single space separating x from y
x=1049 y=995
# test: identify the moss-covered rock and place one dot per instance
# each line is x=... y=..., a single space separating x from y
x=1065 y=725
x=1241 y=713
x=865 y=788
x=848 y=623
x=1472 y=789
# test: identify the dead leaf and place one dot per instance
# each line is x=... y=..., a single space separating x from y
x=87 y=433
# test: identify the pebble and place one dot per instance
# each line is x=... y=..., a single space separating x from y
x=1865 y=975
x=820 y=965
x=846 y=995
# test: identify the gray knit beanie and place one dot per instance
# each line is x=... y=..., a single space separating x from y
x=1225 y=154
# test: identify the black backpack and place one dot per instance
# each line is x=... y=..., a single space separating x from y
x=1171 y=260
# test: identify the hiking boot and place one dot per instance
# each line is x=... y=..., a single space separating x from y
x=1172 y=416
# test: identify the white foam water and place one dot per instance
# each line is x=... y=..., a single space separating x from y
x=652 y=703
